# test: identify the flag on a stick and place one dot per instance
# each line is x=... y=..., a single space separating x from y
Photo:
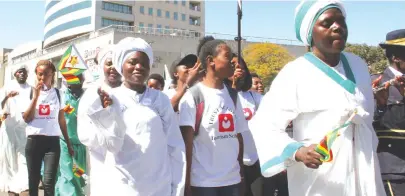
x=71 y=65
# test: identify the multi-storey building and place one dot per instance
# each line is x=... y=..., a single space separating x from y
x=173 y=28
x=67 y=19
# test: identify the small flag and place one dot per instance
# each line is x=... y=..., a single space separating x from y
x=77 y=171
x=68 y=109
x=167 y=77
x=325 y=145
x=71 y=65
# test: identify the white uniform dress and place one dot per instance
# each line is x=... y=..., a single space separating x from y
x=317 y=104
x=145 y=149
x=13 y=167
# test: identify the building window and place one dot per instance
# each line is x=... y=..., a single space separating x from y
x=107 y=22
x=141 y=25
x=167 y=14
x=150 y=11
x=183 y=17
x=196 y=6
x=150 y=28
x=159 y=13
x=196 y=21
x=183 y=2
x=142 y=10
x=175 y=16
x=117 y=7
x=175 y=2
x=167 y=29
x=159 y=28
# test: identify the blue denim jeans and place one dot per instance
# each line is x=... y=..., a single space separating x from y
x=232 y=190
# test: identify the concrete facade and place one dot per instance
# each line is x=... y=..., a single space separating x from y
x=66 y=20
x=3 y=64
x=167 y=46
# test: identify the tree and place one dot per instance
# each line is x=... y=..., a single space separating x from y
x=373 y=55
x=266 y=59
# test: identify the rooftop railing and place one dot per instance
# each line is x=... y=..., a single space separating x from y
x=147 y=31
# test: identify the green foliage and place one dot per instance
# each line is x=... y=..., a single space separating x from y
x=373 y=55
x=266 y=59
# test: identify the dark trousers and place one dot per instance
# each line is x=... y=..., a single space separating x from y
x=252 y=174
x=47 y=149
x=232 y=190
x=394 y=187
x=276 y=184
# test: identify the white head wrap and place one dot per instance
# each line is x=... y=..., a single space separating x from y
x=104 y=55
x=15 y=69
x=127 y=47
x=308 y=12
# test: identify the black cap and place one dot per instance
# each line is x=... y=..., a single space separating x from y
x=394 y=38
x=189 y=61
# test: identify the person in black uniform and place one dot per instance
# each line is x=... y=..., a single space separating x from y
x=389 y=119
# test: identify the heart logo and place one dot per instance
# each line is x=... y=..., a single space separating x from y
x=44 y=109
x=226 y=123
x=248 y=113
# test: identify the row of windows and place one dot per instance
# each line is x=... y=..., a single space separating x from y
x=117 y=7
x=183 y=2
x=168 y=29
x=159 y=28
x=107 y=22
x=159 y=13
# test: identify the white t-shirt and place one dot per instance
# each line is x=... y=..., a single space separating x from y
x=46 y=121
x=250 y=102
x=216 y=147
x=170 y=92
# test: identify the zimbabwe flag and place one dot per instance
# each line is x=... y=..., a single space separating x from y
x=71 y=65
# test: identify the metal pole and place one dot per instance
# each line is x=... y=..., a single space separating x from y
x=239 y=31
x=238 y=39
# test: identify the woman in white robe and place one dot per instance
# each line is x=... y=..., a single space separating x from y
x=109 y=79
x=138 y=129
x=319 y=92
x=13 y=167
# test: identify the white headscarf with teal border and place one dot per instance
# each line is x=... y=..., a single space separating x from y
x=308 y=12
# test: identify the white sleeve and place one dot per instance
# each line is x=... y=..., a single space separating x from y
x=241 y=122
x=98 y=126
x=187 y=111
x=62 y=98
x=278 y=107
x=175 y=142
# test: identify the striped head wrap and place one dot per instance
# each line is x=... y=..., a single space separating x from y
x=308 y=12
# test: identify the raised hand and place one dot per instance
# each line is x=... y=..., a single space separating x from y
x=104 y=98
x=37 y=89
x=194 y=74
x=12 y=94
x=399 y=83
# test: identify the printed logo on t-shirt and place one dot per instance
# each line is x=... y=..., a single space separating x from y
x=44 y=109
x=225 y=122
x=248 y=113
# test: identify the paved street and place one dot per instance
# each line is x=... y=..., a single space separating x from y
x=41 y=193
